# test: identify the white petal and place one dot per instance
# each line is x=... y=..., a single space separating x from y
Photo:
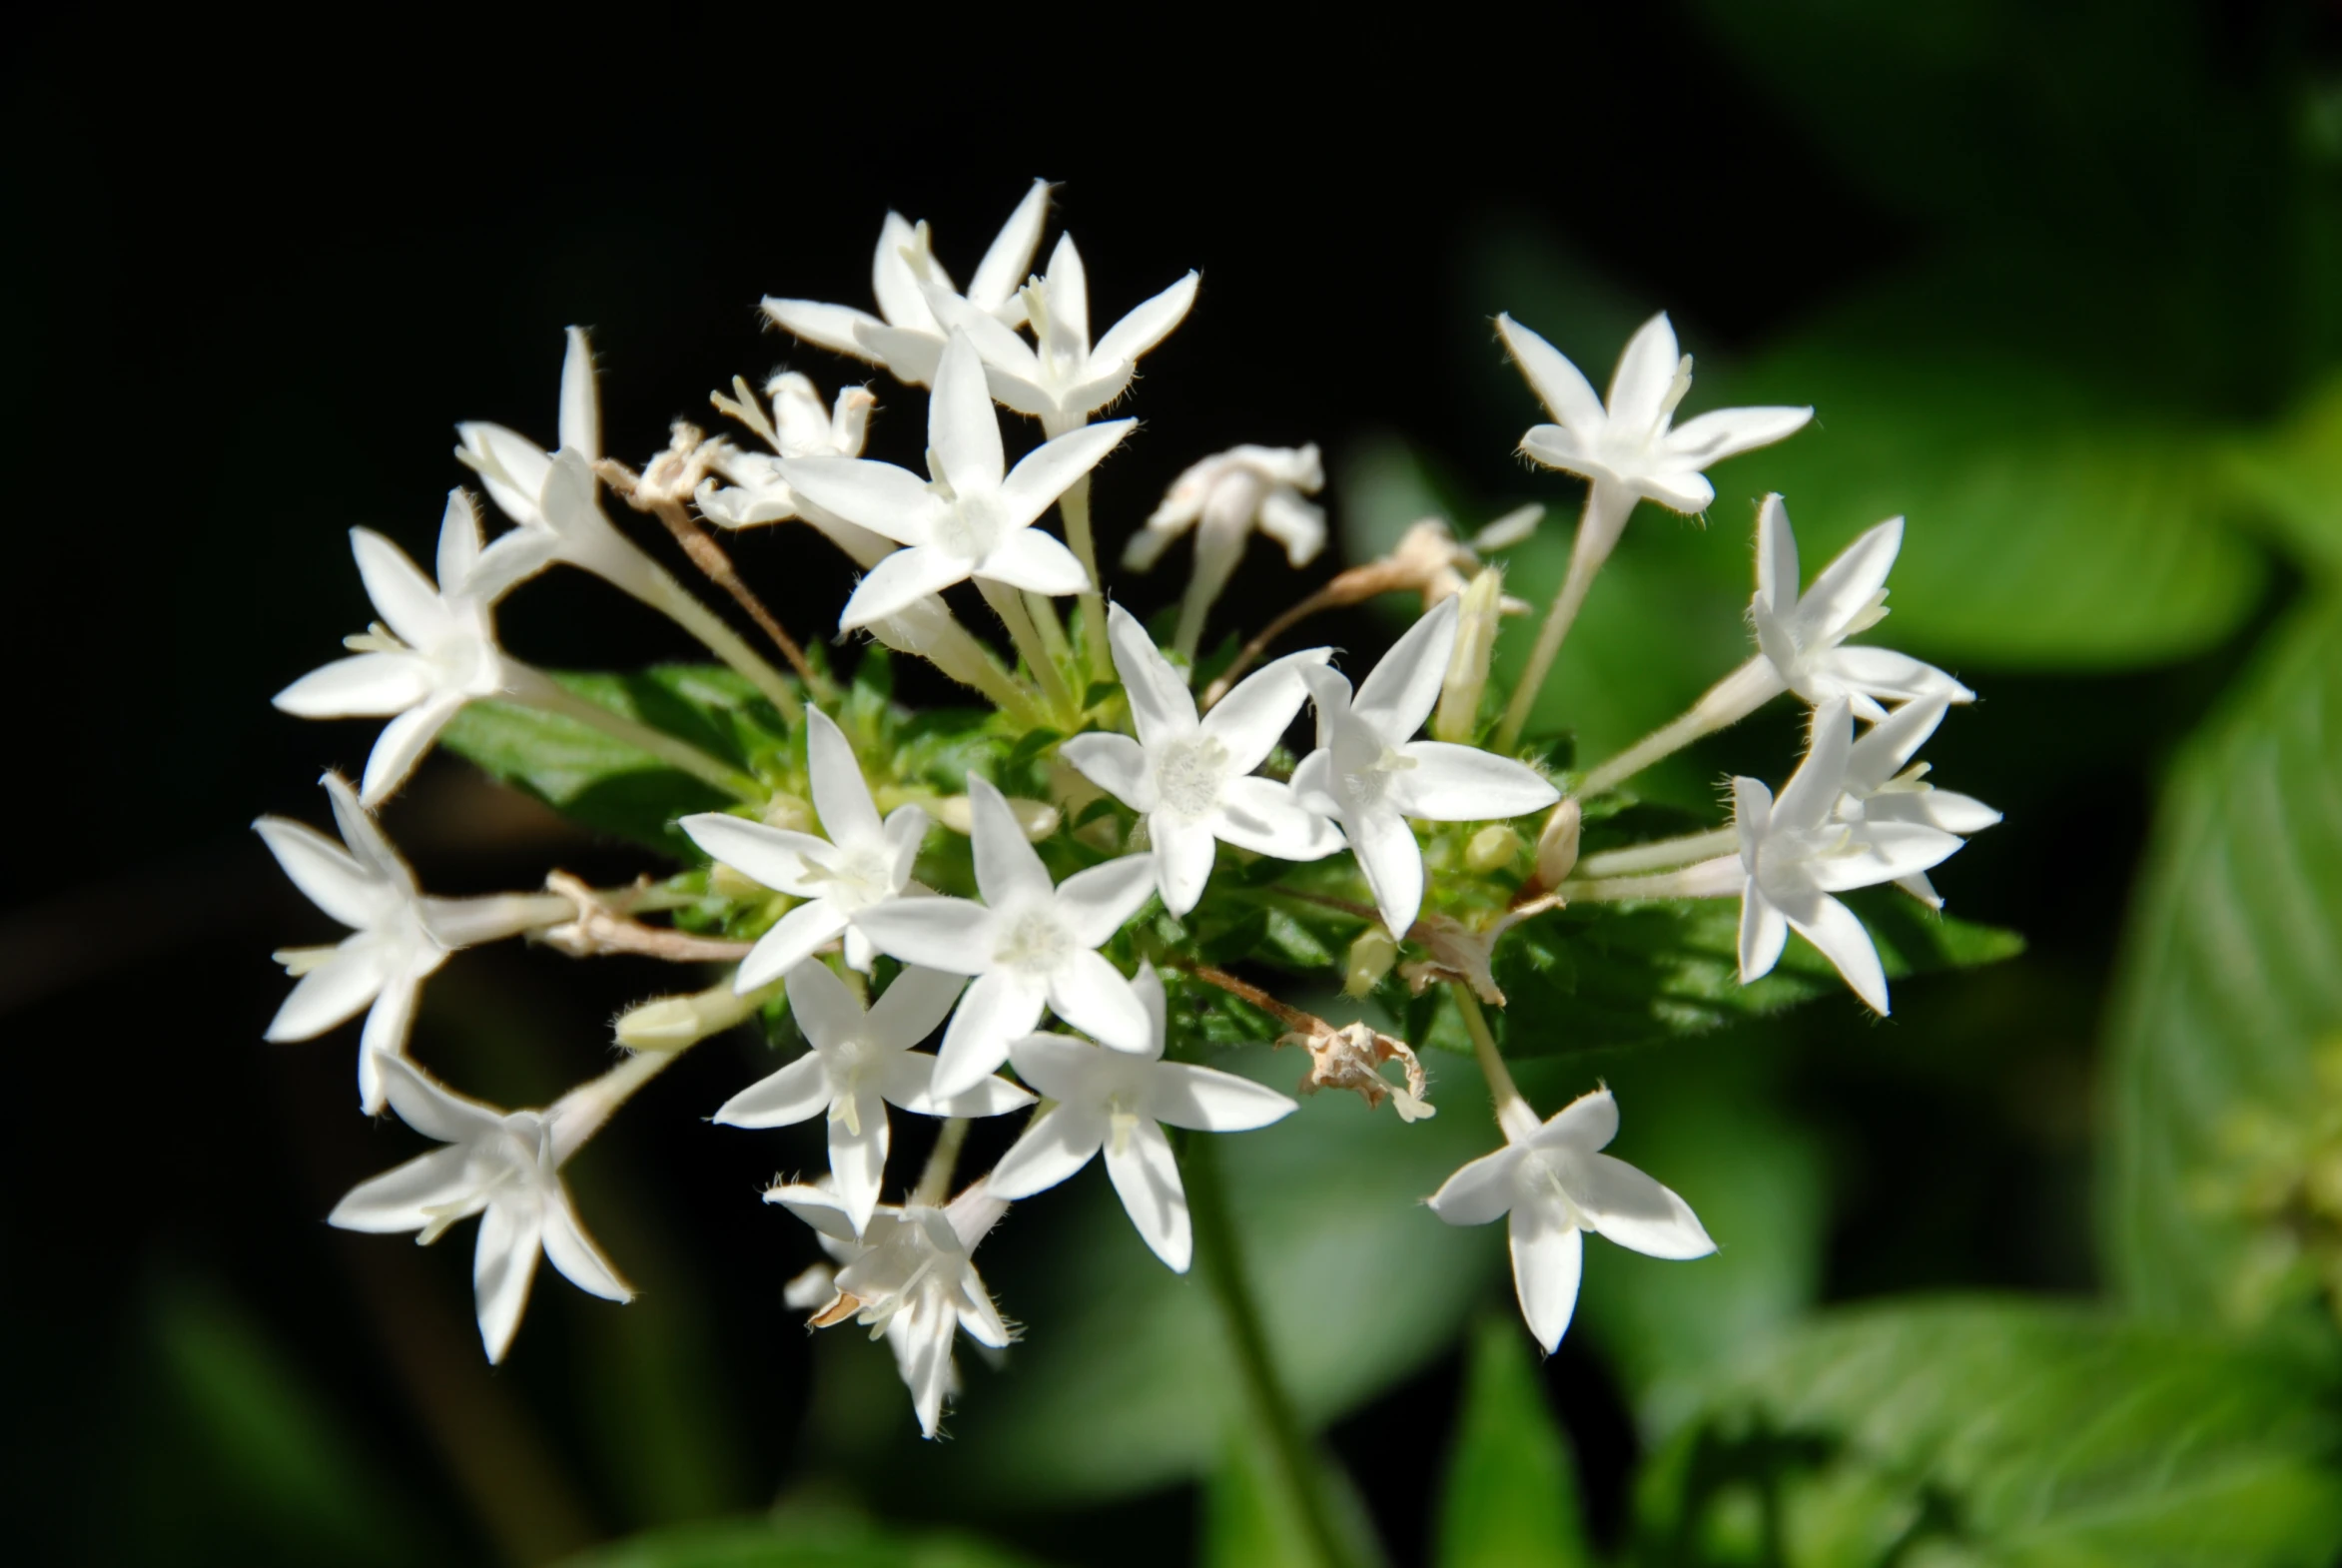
x=1481 y=1192
x=1763 y=931
x=1183 y=852
x=900 y=581
x=1891 y=676
x=513 y=468
x=1889 y=850
x=1680 y=490
x=1840 y=935
x=1264 y=817
x=1296 y=524
x=797 y=1093
x=1072 y=1072
x=1634 y=1211
x=1053 y=1149
x=910 y=354
x=1726 y=432
x=574 y=1254
x=998 y=1009
x=858 y=1157
x=1008 y=259
x=1777 y=567
x=906 y=828
x=1810 y=791
x=991 y=1097
x=1888 y=745
x=1946 y=809
x=1036 y=563
x=1393 y=863
x=1404 y=687
x=1646 y=369
x=951 y=934
x=773 y=857
x=794 y=938
x=581 y=416
x=1313 y=785
x=840 y=794
x=1557 y=446
x=432 y=1108
x=1147 y=1178
x=1558 y=384
x=1098 y=902
x=1047 y=471
x=1146 y=986
x=1451 y=783
x=326 y=873
x=366 y=685
x=1161 y=703
x=876 y=495
x=331 y=992
x=1066 y=286
x=503 y=1267
x=402 y=745
x=963 y=433
x=1253 y=718
x=832 y=327
x=1009 y=872
x=1918 y=887
x=1751 y=813
x=1116 y=764
x=1547 y=1256
x=1848 y=585
x=1148 y=325
x=459 y=540
x=365 y=837
x=911 y=1009
x=401 y=595
x=396 y=1199
x=392 y=1017
x=1586 y=1124
x=818 y=1207
x=1092 y=995
x=1206 y=1100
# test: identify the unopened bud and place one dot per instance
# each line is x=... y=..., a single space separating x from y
x=1467 y=667
x=1493 y=848
x=727 y=883
x=672 y=1023
x=1557 y=844
x=1370 y=959
x=1037 y=818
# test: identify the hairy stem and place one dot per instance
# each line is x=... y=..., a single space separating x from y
x=1718 y=878
x=1663 y=855
x=710 y=559
x=539 y=690
x=1009 y=605
x=935 y=1182
x=1606 y=512
x=1729 y=700
x=1074 y=506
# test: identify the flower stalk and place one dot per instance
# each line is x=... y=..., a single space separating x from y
x=1605 y=514
x=539 y=690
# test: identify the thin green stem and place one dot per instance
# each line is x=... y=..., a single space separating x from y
x=1074 y=506
x=935 y=1182
x=539 y=690
x=683 y=607
x=1660 y=855
x=1293 y=1456
x=1009 y=605
x=1598 y=529
x=1729 y=700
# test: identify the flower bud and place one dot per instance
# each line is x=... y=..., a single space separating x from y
x=1370 y=959
x=1557 y=844
x=1493 y=848
x=672 y=1023
x=1458 y=716
x=1037 y=818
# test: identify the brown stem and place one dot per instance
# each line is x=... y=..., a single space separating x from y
x=602 y=928
x=1290 y=1016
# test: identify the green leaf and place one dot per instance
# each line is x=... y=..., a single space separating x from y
x=609 y=786
x=1595 y=975
x=2293 y=476
x=1977 y=1431
x=1511 y=1496
x=800 y=1538
x=1250 y=1520
x=2228 y=989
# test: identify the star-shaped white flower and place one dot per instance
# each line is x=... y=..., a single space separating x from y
x=864 y=862
x=909 y=1276
x=1120 y=1101
x=1223 y=498
x=860 y=1064
x=502 y=1166
x=1555 y=1184
x=1883 y=785
x=398 y=934
x=1800 y=636
x=975 y=517
x=1063 y=379
x=1795 y=851
x=902 y=275
x=1029 y=945
x=1191 y=777
x=1629 y=444
x=1370 y=775
x=435 y=651
x=801 y=425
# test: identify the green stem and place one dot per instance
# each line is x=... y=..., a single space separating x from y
x=1009 y=605
x=537 y=689
x=1598 y=529
x=1267 y=1405
x=1074 y=506
x=1729 y=700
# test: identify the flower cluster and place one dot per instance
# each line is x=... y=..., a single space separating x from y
x=1124 y=800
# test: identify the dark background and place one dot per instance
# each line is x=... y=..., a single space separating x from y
x=255 y=291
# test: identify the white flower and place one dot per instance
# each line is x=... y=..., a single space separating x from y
x=1029 y=945
x=1629 y=445
x=1119 y=1102
x=1795 y=852
x=504 y=1168
x=1189 y=777
x=1062 y=381
x=1883 y=785
x=398 y=934
x=1800 y=636
x=1555 y=1184
x=973 y=519
x=902 y=274
x=859 y=1064
x=1369 y=775
x=437 y=652
x=910 y=1276
x=801 y=426
x=1223 y=498
x=862 y=863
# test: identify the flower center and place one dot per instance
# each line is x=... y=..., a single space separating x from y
x=1191 y=773
x=970 y=528
x=1034 y=941
x=855 y=878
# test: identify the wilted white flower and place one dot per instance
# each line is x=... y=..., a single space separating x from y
x=974 y=518
x=1029 y=945
x=801 y=425
x=1370 y=775
x=1120 y=1101
x=1795 y=851
x=902 y=273
x=861 y=1063
x=1555 y=1186
x=502 y=1166
x=1191 y=777
x=862 y=863
x=1223 y=498
x=1883 y=785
